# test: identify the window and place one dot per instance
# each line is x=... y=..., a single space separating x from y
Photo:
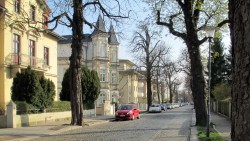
x=17 y=6
x=32 y=12
x=113 y=56
x=102 y=75
x=32 y=52
x=16 y=49
x=46 y=56
x=102 y=50
x=45 y=19
x=113 y=78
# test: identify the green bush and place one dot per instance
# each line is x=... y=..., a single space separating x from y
x=65 y=92
x=2 y=111
x=90 y=87
x=222 y=91
x=88 y=105
x=28 y=87
x=25 y=108
x=48 y=92
x=59 y=106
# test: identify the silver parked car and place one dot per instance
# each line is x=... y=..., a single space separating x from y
x=169 y=106
x=155 y=108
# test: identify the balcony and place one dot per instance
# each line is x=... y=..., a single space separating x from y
x=15 y=60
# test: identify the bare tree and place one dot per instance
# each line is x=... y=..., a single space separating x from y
x=169 y=73
x=176 y=83
x=184 y=64
x=185 y=19
x=74 y=18
x=147 y=53
x=157 y=73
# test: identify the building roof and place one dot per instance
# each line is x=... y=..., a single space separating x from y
x=54 y=35
x=112 y=36
x=44 y=5
x=127 y=62
x=100 y=26
x=68 y=39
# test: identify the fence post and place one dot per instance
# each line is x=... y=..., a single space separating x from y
x=217 y=106
x=11 y=115
x=230 y=110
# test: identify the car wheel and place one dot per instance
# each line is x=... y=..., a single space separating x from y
x=138 y=117
x=133 y=117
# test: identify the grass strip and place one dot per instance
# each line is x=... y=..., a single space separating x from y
x=214 y=136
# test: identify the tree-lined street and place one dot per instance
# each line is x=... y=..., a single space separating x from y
x=172 y=125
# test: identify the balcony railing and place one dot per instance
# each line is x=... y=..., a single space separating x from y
x=15 y=59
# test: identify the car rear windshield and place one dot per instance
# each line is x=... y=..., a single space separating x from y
x=125 y=107
x=155 y=105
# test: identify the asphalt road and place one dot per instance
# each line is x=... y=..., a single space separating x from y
x=172 y=125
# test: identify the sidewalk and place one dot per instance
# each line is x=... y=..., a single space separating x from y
x=222 y=126
x=27 y=133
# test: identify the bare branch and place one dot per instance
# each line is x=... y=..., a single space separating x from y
x=170 y=25
x=222 y=23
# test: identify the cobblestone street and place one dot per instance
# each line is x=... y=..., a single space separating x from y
x=172 y=125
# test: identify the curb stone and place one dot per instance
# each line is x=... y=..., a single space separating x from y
x=193 y=129
x=55 y=130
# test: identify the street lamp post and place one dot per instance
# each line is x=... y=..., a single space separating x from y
x=210 y=30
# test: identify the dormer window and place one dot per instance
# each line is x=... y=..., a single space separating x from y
x=32 y=12
x=17 y=6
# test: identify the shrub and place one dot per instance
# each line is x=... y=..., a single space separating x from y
x=222 y=91
x=2 y=111
x=56 y=106
x=65 y=93
x=90 y=87
x=25 y=108
x=48 y=92
x=59 y=106
x=28 y=87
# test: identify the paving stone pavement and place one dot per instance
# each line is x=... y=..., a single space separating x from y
x=222 y=126
x=32 y=132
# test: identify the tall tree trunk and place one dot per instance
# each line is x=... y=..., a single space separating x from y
x=76 y=63
x=149 y=89
x=198 y=84
x=170 y=90
x=239 y=16
x=157 y=86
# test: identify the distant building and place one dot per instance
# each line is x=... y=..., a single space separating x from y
x=22 y=45
x=100 y=53
x=132 y=84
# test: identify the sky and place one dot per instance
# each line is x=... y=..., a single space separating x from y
x=138 y=11
x=125 y=29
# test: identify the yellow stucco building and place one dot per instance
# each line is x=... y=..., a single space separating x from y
x=132 y=83
x=25 y=41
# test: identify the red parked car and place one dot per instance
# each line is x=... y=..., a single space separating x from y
x=128 y=111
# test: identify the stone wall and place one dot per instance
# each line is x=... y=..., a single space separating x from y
x=42 y=118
